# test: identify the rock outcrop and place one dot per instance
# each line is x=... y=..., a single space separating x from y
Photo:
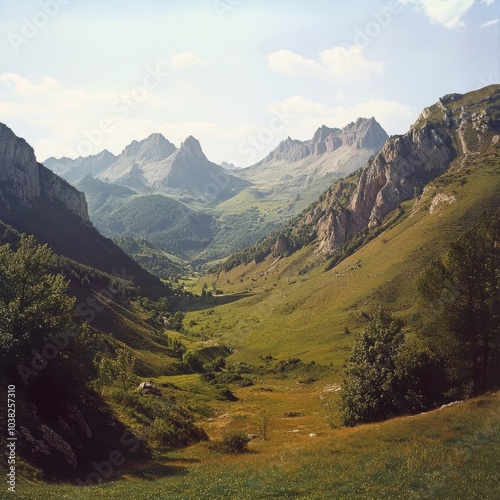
x=456 y=127
x=304 y=169
x=25 y=181
x=363 y=134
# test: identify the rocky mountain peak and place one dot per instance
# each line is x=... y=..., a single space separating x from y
x=153 y=148
x=191 y=149
x=323 y=132
x=364 y=133
x=447 y=133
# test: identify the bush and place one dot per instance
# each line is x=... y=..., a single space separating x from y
x=235 y=441
x=161 y=432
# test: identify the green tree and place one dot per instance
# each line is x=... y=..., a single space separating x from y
x=370 y=374
x=192 y=361
x=461 y=305
x=218 y=364
x=33 y=301
x=124 y=366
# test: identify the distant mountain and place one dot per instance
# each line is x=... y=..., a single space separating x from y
x=74 y=170
x=295 y=166
x=241 y=205
x=34 y=200
x=154 y=165
x=228 y=166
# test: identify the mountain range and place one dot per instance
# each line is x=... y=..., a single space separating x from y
x=298 y=166
x=230 y=208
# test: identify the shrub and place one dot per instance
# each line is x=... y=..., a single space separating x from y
x=235 y=441
x=161 y=432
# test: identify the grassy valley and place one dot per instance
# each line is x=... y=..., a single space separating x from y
x=263 y=344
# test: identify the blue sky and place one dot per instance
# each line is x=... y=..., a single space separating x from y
x=77 y=76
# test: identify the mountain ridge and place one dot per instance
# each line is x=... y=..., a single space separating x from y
x=450 y=132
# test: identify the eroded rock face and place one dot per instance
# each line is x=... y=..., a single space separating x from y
x=19 y=172
x=403 y=166
x=56 y=442
x=362 y=134
x=25 y=180
x=406 y=164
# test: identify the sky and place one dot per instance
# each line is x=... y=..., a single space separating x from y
x=80 y=76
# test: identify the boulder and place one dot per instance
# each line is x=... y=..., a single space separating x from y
x=149 y=388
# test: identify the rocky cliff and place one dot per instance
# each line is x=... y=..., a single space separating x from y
x=454 y=133
x=448 y=132
x=25 y=181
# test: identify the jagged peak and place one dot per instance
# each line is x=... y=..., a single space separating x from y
x=192 y=145
x=104 y=154
x=154 y=147
x=323 y=132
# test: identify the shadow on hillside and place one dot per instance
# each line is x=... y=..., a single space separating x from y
x=154 y=470
x=201 y=304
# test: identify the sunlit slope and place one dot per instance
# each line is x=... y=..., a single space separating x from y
x=449 y=453
x=293 y=307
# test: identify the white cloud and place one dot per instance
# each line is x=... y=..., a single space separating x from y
x=338 y=64
x=66 y=117
x=186 y=59
x=309 y=115
x=490 y=23
x=448 y=13
x=25 y=87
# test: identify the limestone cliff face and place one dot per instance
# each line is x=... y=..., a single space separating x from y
x=24 y=181
x=19 y=173
x=453 y=129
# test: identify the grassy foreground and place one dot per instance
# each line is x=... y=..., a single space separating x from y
x=452 y=452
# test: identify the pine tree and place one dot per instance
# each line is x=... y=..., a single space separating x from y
x=461 y=305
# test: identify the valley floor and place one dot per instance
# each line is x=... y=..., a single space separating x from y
x=452 y=452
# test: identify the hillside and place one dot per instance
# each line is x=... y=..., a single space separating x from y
x=161 y=220
x=444 y=454
x=36 y=201
x=300 y=288
x=462 y=128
